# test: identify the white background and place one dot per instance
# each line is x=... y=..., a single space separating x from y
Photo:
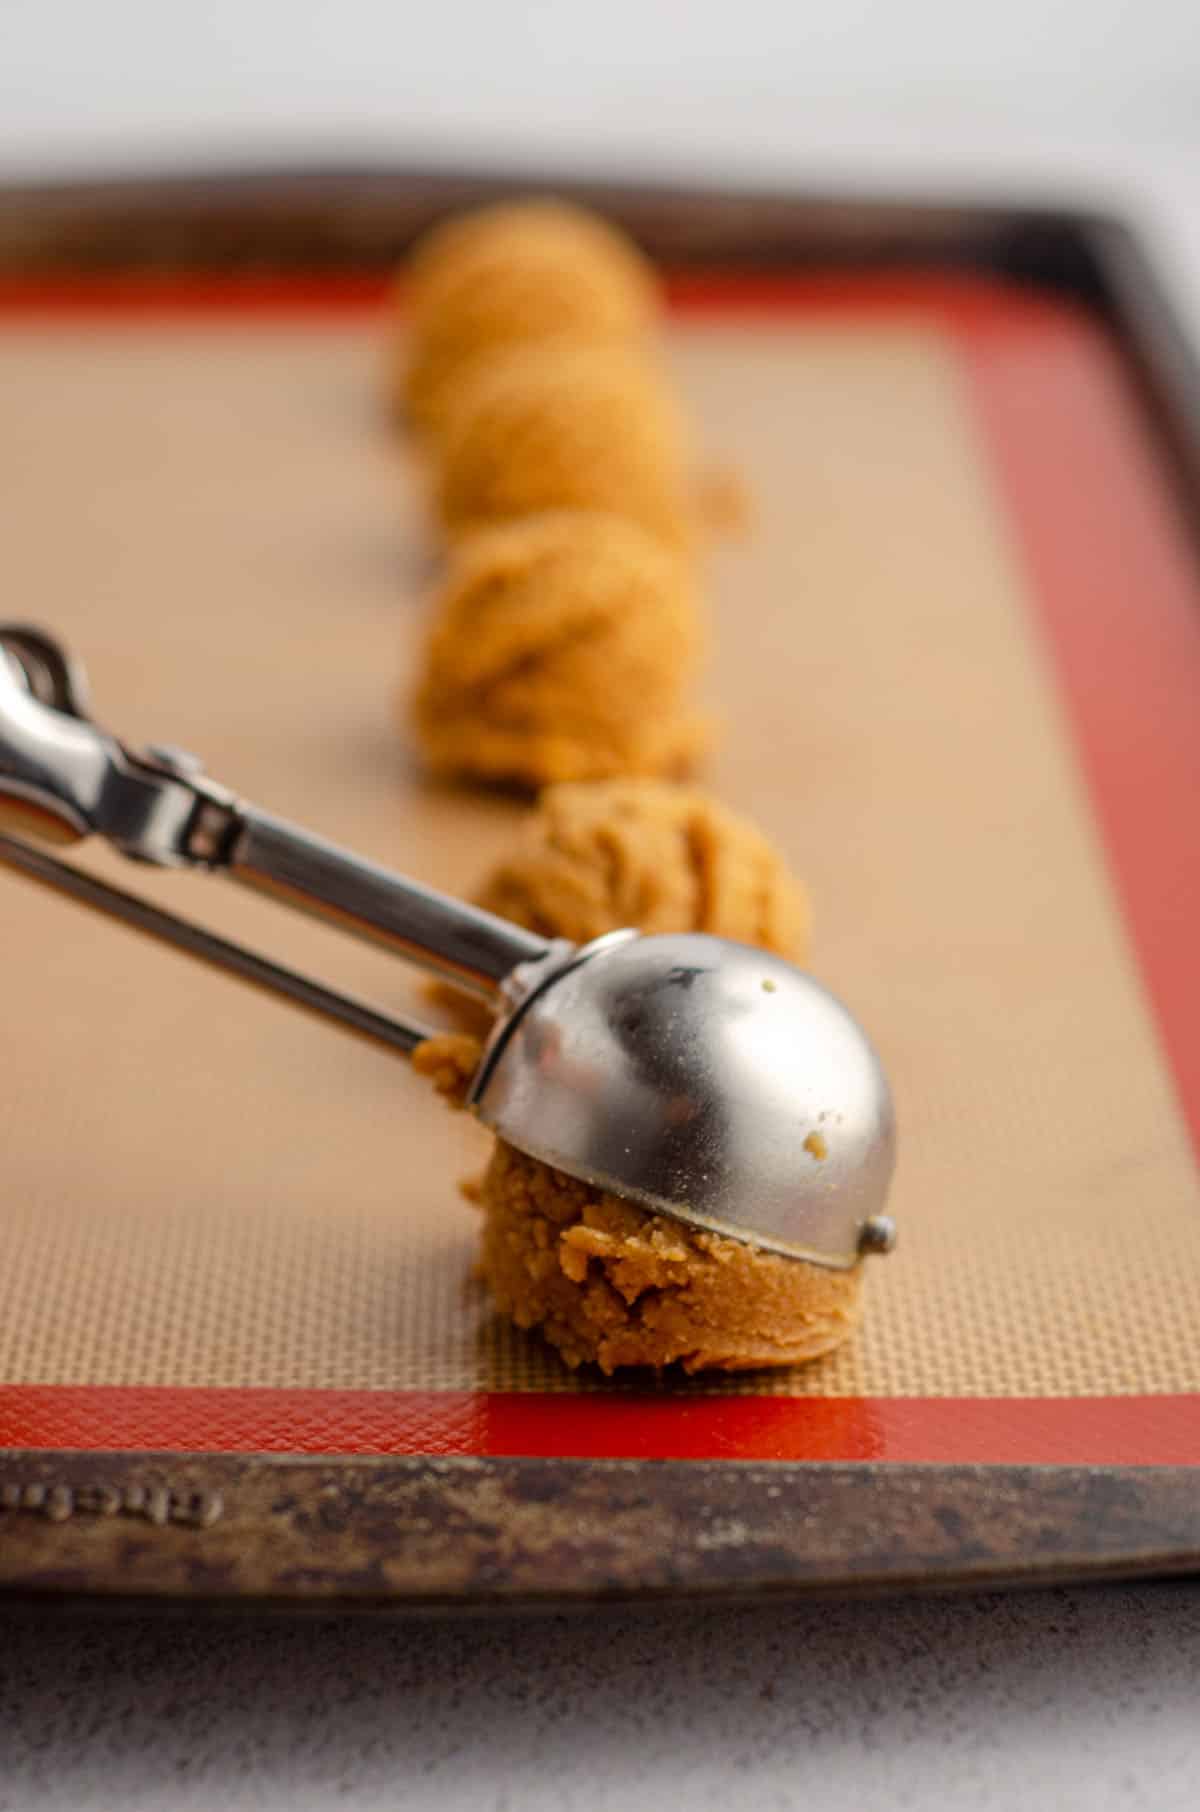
x=687 y=77
x=1066 y=1700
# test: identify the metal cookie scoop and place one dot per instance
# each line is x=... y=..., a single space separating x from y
x=705 y=1079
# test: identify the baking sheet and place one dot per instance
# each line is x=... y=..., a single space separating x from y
x=206 y=1192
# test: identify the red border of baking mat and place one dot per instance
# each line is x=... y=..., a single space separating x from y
x=1116 y=589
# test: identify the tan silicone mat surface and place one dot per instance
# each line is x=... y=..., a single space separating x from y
x=203 y=1187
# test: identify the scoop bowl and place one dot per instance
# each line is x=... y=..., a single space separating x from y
x=706 y=1080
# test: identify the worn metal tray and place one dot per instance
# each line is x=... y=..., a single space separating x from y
x=958 y=660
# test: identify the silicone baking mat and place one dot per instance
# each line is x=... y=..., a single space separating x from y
x=957 y=662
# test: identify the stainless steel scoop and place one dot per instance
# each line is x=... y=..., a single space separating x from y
x=702 y=1078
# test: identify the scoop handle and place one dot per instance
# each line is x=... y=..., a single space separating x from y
x=207 y=947
x=470 y=947
x=69 y=779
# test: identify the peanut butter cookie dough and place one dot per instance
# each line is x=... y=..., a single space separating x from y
x=595 y=857
x=562 y=648
x=598 y=855
x=514 y=274
x=564 y=426
x=611 y=1284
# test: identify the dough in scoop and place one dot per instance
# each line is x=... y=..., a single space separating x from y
x=610 y=1283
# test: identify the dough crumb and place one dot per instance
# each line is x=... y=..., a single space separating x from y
x=562 y=648
x=815 y=1144
x=612 y=1284
x=449 y=1060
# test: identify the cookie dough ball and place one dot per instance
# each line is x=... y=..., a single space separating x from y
x=509 y=275
x=613 y=1284
x=601 y=855
x=563 y=426
x=561 y=649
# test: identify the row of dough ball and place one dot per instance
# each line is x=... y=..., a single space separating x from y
x=567 y=632
x=604 y=1281
x=562 y=649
